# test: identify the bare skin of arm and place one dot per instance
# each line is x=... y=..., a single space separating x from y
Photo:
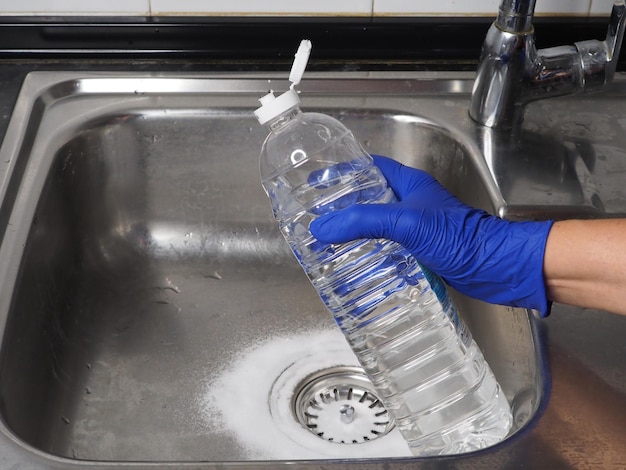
x=585 y=264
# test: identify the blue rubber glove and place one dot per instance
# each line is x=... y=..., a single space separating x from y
x=480 y=255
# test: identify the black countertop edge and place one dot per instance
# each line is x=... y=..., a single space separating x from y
x=359 y=43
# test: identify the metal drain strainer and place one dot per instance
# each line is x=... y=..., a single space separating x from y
x=340 y=405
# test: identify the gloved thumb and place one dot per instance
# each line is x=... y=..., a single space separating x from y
x=355 y=222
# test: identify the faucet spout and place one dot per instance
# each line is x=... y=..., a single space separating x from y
x=512 y=72
x=516 y=16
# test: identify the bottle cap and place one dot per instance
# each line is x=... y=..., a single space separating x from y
x=273 y=106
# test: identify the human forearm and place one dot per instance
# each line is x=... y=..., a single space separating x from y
x=585 y=264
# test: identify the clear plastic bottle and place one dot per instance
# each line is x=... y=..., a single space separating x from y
x=395 y=314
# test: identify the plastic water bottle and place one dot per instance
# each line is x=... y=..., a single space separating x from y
x=396 y=315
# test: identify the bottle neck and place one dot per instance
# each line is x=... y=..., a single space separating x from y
x=284 y=118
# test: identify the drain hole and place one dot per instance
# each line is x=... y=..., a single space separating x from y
x=340 y=405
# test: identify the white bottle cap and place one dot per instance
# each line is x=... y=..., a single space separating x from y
x=273 y=106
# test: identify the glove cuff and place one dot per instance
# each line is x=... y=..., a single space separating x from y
x=532 y=287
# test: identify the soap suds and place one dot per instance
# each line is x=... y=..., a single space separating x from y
x=251 y=400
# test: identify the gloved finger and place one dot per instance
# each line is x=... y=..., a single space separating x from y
x=338 y=173
x=359 y=221
x=333 y=174
x=341 y=202
x=404 y=180
x=392 y=171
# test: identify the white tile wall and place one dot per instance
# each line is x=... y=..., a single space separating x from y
x=562 y=7
x=75 y=7
x=262 y=7
x=474 y=7
x=293 y=7
x=430 y=7
x=601 y=7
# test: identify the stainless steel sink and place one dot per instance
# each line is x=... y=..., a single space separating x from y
x=145 y=284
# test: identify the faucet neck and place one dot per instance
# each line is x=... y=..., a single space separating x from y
x=515 y=16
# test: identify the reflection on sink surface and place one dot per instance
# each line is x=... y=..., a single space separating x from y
x=143 y=270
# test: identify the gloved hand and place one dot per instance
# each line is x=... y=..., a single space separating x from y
x=478 y=254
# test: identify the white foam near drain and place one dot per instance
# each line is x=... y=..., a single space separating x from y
x=252 y=400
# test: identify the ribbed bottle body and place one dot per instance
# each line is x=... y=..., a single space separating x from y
x=395 y=314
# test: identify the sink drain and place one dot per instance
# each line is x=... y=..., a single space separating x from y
x=340 y=405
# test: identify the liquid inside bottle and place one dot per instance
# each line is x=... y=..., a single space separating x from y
x=395 y=314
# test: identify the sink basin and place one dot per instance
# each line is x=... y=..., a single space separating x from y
x=151 y=312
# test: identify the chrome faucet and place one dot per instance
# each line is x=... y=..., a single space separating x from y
x=512 y=72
